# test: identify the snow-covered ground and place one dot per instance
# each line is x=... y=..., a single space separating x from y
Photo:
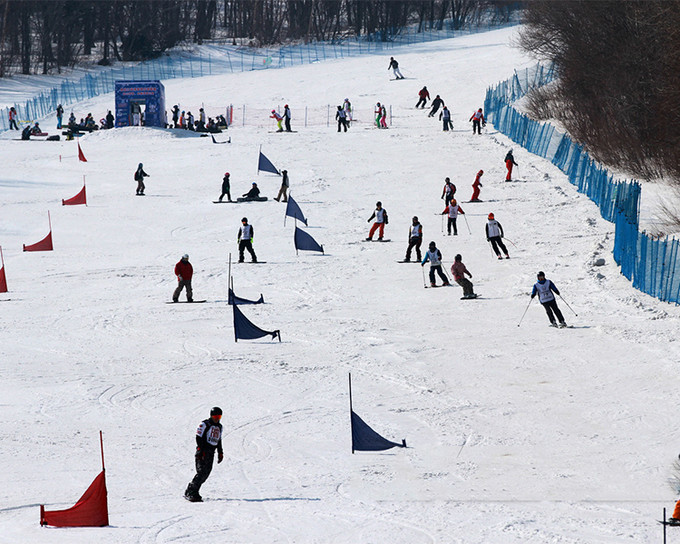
x=516 y=434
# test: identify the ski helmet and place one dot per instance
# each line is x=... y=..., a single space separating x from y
x=185 y=256
x=273 y=111
x=244 y=220
x=432 y=245
x=378 y=203
x=453 y=201
x=540 y=274
x=458 y=257
x=480 y=172
x=216 y=411
x=490 y=216
x=226 y=174
x=415 y=218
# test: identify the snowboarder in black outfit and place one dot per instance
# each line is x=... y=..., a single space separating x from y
x=286 y=117
x=245 y=240
x=494 y=234
x=140 y=174
x=435 y=257
x=253 y=193
x=394 y=65
x=415 y=239
x=341 y=116
x=208 y=439
x=283 y=190
x=544 y=289
x=436 y=104
x=226 y=187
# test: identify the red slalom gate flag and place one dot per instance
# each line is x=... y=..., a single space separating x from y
x=80 y=198
x=45 y=244
x=3 y=278
x=81 y=155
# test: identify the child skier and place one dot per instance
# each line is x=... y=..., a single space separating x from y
x=459 y=270
x=544 y=289
x=279 y=120
x=435 y=257
x=494 y=234
x=476 y=185
x=380 y=216
x=453 y=209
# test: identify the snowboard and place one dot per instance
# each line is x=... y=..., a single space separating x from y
x=140 y=194
x=471 y=298
x=383 y=240
x=224 y=202
x=416 y=262
x=190 y=499
x=186 y=302
x=282 y=131
x=258 y=199
x=436 y=286
x=251 y=262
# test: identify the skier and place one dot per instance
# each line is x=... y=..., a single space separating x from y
x=445 y=116
x=140 y=174
x=347 y=106
x=341 y=116
x=476 y=185
x=415 y=239
x=544 y=289
x=226 y=187
x=283 y=191
x=448 y=191
x=245 y=240
x=394 y=65
x=424 y=96
x=478 y=121
x=380 y=216
x=494 y=234
x=287 y=117
x=509 y=161
x=60 y=115
x=253 y=194
x=383 y=117
x=208 y=439
x=435 y=257
x=13 y=119
x=378 y=114
x=184 y=271
x=458 y=270
x=279 y=120
x=436 y=103
x=453 y=209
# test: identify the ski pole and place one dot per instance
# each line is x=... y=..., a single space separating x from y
x=568 y=305
x=442 y=223
x=518 y=176
x=525 y=311
x=468 y=224
x=513 y=243
x=424 y=282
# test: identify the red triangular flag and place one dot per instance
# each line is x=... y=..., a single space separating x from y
x=80 y=198
x=91 y=510
x=43 y=245
x=3 y=280
x=81 y=156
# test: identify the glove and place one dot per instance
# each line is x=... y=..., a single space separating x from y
x=220 y=457
x=488 y=240
x=422 y=264
x=179 y=278
x=368 y=221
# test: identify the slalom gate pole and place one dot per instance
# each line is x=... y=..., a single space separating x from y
x=568 y=305
x=525 y=312
x=424 y=282
x=513 y=243
x=468 y=224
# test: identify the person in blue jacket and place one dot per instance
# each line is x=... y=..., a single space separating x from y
x=544 y=289
x=435 y=257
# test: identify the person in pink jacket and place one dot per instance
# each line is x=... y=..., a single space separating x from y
x=459 y=270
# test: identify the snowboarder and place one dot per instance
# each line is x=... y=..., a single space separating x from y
x=424 y=96
x=476 y=185
x=544 y=289
x=208 y=439
x=415 y=239
x=60 y=115
x=245 y=240
x=436 y=104
x=341 y=116
x=13 y=119
x=26 y=133
x=226 y=187
x=184 y=271
x=287 y=117
x=140 y=174
x=279 y=120
x=453 y=209
x=435 y=257
x=509 y=162
x=494 y=234
x=448 y=191
x=394 y=66
x=347 y=106
x=253 y=194
x=458 y=270
x=283 y=191
x=478 y=121
x=445 y=117
x=380 y=216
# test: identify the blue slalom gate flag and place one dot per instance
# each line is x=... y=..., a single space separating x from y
x=234 y=299
x=245 y=330
x=266 y=165
x=305 y=242
x=293 y=210
x=366 y=439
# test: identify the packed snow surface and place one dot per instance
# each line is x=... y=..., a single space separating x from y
x=516 y=433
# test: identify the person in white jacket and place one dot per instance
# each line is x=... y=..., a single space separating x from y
x=494 y=234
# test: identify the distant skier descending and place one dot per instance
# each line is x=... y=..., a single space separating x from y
x=445 y=117
x=476 y=186
x=452 y=210
x=436 y=104
x=509 y=163
x=394 y=65
x=494 y=234
x=545 y=288
x=448 y=191
x=415 y=239
x=435 y=257
x=423 y=97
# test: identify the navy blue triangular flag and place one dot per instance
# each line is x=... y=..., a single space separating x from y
x=245 y=330
x=305 y=242
x=233 y=299
x=366 y=439
x=293 y=210
x=266 y=165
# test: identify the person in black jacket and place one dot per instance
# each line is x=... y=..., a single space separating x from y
x=140 y=174
x=283 y=191
x=208 y=439
x=245 y=240
x=436 y=104
x=226 y=189
x=394 y=66
x=253 y=194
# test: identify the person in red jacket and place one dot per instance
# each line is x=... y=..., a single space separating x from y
x=476 y=185
x=184 y=271
x=459 y=270
x=478 y=121
x=424 y=95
